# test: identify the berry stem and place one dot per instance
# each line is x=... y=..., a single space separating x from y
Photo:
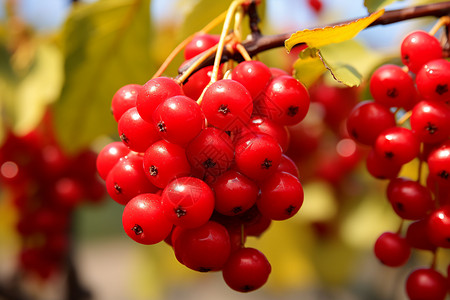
x=215 y=22
x=404 y=118
x=242 y=236
x=243 y=52
x=419 y=171
x=441 y=22
x=226 y=26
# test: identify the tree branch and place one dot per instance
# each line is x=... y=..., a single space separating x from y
x=257 y=43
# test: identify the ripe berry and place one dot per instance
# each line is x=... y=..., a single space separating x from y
x=409 y=199
x=257 y=156
x=178 y=120
x=398 y=144
x=284 y=100
x=392 y=87
x=205 y=248
x=254 y=75
x=124 y=99
x=426 y=284
x=392 y=250
x=418 y=48
x=439 y=226
x=136 y=133
x=367 y=120
x=188 y=202
x=433 y=80
x=281 y=196
x=144 y=221
x=234 y=193
x=429 y=121
x=200 y=43
x=439 y=165
x=109 y=156
x=164 y=161
x=267 y=126
x=246 y=270
x=227 y=105
x=417 y=235
x=154 y=92
x=380 y=167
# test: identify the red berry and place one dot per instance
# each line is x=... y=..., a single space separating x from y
x=439 y=226
x=254 y=75
x=143 y=219
x=418 y=48
x=109 y=156
x=399 y=145
x=246 y=270
x=433 y=80
x=426 y=284
x=429 y=121
x=200 y=43
x=439 y=165
x=124 y=99
x=392 y=250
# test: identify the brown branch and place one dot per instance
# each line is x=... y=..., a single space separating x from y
x=259 y=43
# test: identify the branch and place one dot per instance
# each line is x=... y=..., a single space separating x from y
x=257 y=43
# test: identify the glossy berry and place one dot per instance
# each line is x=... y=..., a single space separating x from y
x=439 y=226
x=200 y=43
x=188 y=202
x=143 y=219
x=426 y=284
x=380 y=167
x=418 y=48
x=284 y=100
x=136 y=133
x=429 y=121
x=257 y=156
x=392 y=87
x=124 y=99
x=210 y=153
x=127 y=179
x=227 y=105
x=254 y=75
x=409 y=199
x=234 y=193
x=246 y=270
x=164 y=161
x=398 y=144
x=281 y=196
x=109 y=156
x=196 y=83
x=417 y=235
x=153 y=93
x=433 y=80
x=178 y=120
x=367 y=120
x=392 y=250
x=288 y=165
x=439 y=165
x=267 y=126
x=205 y=248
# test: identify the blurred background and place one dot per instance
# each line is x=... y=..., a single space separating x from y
x=62 y=61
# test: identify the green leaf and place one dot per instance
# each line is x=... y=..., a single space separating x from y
x=106 y=45
x=342 y=73
x=374 y=5
x=319 y=37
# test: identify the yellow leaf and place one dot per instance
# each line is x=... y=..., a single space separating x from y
x=308 y=70
x=319 y=37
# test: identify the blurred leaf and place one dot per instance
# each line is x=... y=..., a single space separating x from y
x=319 y=37
x=106 y=45
x=374 y=5
x=350 y=61
x=308 y=69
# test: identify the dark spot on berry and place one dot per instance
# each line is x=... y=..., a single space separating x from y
x=117 y=188
x=223 y=109
x=443 y=174
x=236 y=210
x=392 y=93
x=153 y=170
x=290 y=209
x=124 y=138
x=247 y=288
x=209 y=163
x=180 y=211
x=228 y=132
x=137 y=229
x=406 y=58
x=431 y=128
x=354 y=134
x=447 y=240
x=266 y=164
x=292 y=111
x=389 y=155
x=400 y=206
x=204 y=270
x=441 y=89
x=161 y=126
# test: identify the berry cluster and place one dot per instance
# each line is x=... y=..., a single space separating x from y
x=46 y=186
x=418 y=92
x=203 y=175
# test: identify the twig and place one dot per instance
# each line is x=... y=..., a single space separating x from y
x=258 y=43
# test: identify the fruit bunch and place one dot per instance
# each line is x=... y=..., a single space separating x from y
x=201 y=164
x=409 y=119
x=46 y=186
